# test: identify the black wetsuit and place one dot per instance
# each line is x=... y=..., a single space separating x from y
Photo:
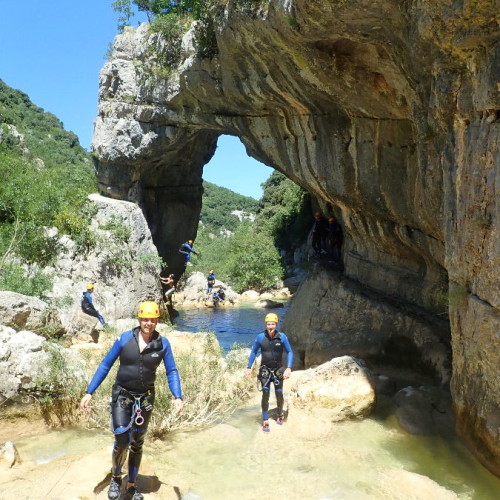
x=133 y=393
x=272 y=350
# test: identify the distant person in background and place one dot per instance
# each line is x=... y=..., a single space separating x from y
x=187 y=249
x=88 y=306
x=334 y=239
x=169 y=283
x=272 y=345
x=319 y=233
x=222 y=294
x=210 y=281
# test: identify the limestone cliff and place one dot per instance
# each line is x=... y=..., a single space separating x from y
x=388 y=113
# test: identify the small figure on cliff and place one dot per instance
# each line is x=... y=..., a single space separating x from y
x=169 y=283
x=187 y=249
x=334 y=239
x=141 y=351
x=272 y=345
x=319 y=233
x=210 y=281
x=88 y=306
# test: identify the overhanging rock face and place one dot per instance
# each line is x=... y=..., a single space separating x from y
x=387 y=112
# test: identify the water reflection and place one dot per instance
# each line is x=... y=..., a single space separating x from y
x=231 y=325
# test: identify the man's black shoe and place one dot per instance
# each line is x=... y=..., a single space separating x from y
x=114 y=488
x=133 y=494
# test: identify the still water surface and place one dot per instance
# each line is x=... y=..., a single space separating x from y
x=232 y=325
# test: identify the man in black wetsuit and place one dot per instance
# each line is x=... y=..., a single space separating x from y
x=272 y=345
x=141 y=351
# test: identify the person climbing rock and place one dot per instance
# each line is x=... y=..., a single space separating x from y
x=140 y=350
x=272 y=345
x=187 y=249
x=88 y=306
x=169 y=283
x=210 y=281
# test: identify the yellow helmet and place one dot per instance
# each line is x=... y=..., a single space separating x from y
x=148 y=309
x=271 y=317
x=90 y=286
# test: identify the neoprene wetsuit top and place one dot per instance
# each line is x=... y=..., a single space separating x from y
x=137 y=371
x=272 y=350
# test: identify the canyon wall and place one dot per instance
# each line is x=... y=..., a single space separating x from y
x=388 y=113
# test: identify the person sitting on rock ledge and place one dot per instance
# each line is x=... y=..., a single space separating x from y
x=141 y=351
x=88 y=306
x=272 y=344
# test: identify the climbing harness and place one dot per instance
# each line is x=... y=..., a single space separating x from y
x=140 y=402
x=267 y=374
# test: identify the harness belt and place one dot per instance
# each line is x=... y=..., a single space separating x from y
x=139 y=402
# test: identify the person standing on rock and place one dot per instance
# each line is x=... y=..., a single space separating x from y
x=319 y=233
x=88 y=306
x=187 y=249
x=141 y=351
x=272 y=345
x=210 y=281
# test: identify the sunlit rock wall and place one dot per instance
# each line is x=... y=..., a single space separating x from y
x=387 y=112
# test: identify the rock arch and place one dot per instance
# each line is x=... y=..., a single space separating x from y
x=379 y=109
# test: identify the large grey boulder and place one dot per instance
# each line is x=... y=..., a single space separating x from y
x=194 y=292
x=27 y=364
x=23 y=312
x=342 y=385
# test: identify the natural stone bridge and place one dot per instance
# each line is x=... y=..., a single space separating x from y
x=388 y=113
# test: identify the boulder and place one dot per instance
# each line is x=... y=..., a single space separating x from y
x=25 y=312
x=9 y=456
x=343 y=386
x=250 y=295
x=268 y=304
x=27 y=363
x=194 y=292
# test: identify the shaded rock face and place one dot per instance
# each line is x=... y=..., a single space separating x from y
x=386 y=112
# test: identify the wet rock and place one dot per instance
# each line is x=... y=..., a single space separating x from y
x=268 y=304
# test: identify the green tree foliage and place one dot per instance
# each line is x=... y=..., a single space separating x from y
x=253 y=261
x=284 y=212
x=46 y=177
x=218 y=203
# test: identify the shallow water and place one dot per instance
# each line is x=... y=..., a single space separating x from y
x=307 y=458
x=312 y=459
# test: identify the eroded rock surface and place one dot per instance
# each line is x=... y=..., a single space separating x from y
x=386 y=112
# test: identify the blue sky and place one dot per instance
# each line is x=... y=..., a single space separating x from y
x=53 y=50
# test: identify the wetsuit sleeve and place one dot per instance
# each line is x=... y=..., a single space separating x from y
x=105 y=365
x=255 y=350
x=289 y=351
x=173 y=378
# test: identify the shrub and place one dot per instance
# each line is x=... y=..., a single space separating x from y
x=212 y=390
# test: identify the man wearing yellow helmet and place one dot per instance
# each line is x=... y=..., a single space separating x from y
x=272 y=345
x=88 y=306
x=141 y=351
